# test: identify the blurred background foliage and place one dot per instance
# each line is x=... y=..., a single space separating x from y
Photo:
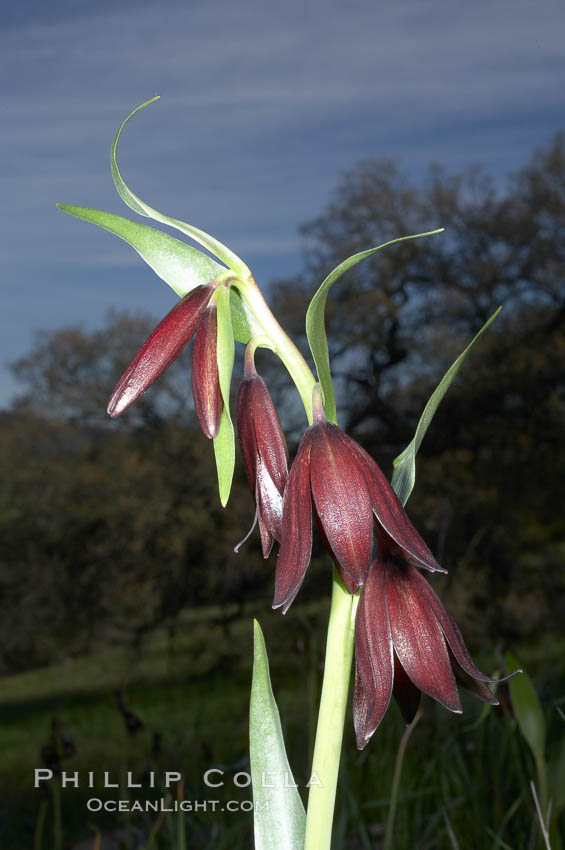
x=112 y=531
x=111 y=528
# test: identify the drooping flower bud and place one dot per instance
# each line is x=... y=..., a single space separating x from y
x=265 y=454
x=205 y=383
x=160 y=349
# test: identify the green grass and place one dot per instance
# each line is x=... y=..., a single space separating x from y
x=465 y=779
x=192 y=690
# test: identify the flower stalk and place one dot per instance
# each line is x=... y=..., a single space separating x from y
x=331 y=716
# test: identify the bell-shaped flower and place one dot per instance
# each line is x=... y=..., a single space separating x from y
x=265 y=454
x=333 y=476
x=406 y=644
x=160 y=349
x=205 y=381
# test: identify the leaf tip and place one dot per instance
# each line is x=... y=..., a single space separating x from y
x=258 y=639
x=147 y=103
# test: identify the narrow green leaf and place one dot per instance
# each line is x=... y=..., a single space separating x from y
x=527 y=709
x=279 y=816
x=181 y=266
x=404 y=474
x=224 y=443
x=315 y=324
x=224 y=451
x=135 y=203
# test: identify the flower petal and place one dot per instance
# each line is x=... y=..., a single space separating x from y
x=296 y=544
x=360 y=712
x=450 y=630
x=271 y=444
x=205 y=383
x=418 y=638
x=246 y=432
x=160 y=349
x=373 y=656
x=351 y=582
x=269 y=501
x=265 y=455
x=342 y=502
x=391 y=514
x=267 y=539
x=477 y=688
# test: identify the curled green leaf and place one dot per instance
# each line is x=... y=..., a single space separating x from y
x=404 y=474
x=222 y=252
x=315 y=324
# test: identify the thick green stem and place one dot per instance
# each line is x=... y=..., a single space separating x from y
x=281 y=343
x=331 y=717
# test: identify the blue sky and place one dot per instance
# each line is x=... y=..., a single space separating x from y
x=263 y=105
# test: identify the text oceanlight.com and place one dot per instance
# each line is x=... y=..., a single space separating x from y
x=95 y=804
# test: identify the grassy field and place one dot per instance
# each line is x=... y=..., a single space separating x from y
x=465 y=780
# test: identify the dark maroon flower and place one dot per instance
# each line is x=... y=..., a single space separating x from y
x=265 y=454
x=338 y=479
x=160 y=349
x=205 y=382
x=406 y=644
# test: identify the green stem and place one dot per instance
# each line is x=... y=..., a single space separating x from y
x=156 y=826
x=40 y=825
x=331 y=717
x=543 y=789
x=181 y=834
x=396 y=780
x=281 y=343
